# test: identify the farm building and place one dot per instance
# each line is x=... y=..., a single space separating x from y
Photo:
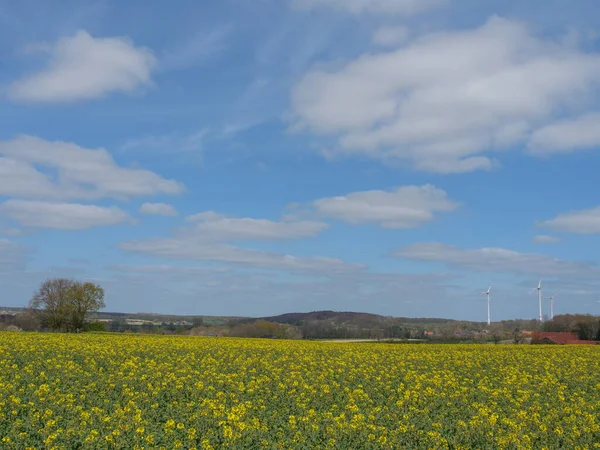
x=558 y=338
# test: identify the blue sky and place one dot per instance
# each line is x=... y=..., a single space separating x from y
x=258 y=157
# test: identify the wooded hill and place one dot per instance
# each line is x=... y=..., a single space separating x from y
x=346 y=324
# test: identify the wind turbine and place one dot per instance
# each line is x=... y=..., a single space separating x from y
x=488 y=303
x=539 y=289
x=552 y=305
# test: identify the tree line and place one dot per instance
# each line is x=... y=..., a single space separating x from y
x=62 y=304
x=586 y=326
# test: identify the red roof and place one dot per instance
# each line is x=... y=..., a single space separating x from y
x=560 y=338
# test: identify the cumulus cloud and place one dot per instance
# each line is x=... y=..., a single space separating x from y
x=21 y=179
x=209 y=234
x=545 y=239
x=441 y=102
x=400 y=7
x=493 y=259
x=217 y=227
x=62 y=216
x=80 y=173
x=166 y=269
x=83 y=67
x=586 y=221
x=403 y=207
x=187 y=249
x=158 y=209
x=568 y=135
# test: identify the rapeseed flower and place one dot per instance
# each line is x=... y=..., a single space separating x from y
x=128 y=391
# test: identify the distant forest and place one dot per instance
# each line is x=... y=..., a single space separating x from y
x=328 y=325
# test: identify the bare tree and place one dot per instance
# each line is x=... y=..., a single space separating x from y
x=27 y=321
x=50 y=302
x=61 y=303
x=496 y=333
x=518 y=337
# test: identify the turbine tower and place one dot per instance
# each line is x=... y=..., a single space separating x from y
x=552 y=305
x=487 y=293
x=539 y=289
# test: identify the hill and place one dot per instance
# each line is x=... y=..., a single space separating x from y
x=348 y=317
x=344 y=324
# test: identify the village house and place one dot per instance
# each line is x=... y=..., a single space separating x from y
x=559 y=338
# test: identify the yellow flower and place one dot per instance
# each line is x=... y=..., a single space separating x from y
x=287 y=394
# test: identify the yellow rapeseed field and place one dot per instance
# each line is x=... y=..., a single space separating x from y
x=131 y=392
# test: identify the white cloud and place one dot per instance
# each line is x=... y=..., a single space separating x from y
x=586 y=221
x=62 y=216
x=443 y=100
x=217 y=227
x=167 y=269
x=401 y=7
x=158 y=209
x=83 y=67
x=493 y=259
x=208 y=235
x=21 y=179
x=403 y=207
x=568 y=135
x=80 y=173
x=391 y=36
x=545 y=239
x=194 y=249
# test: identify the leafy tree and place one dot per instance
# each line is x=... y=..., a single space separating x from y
x=587 y=329
x=554 y=325
x=61 y=304
x=83 y=298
